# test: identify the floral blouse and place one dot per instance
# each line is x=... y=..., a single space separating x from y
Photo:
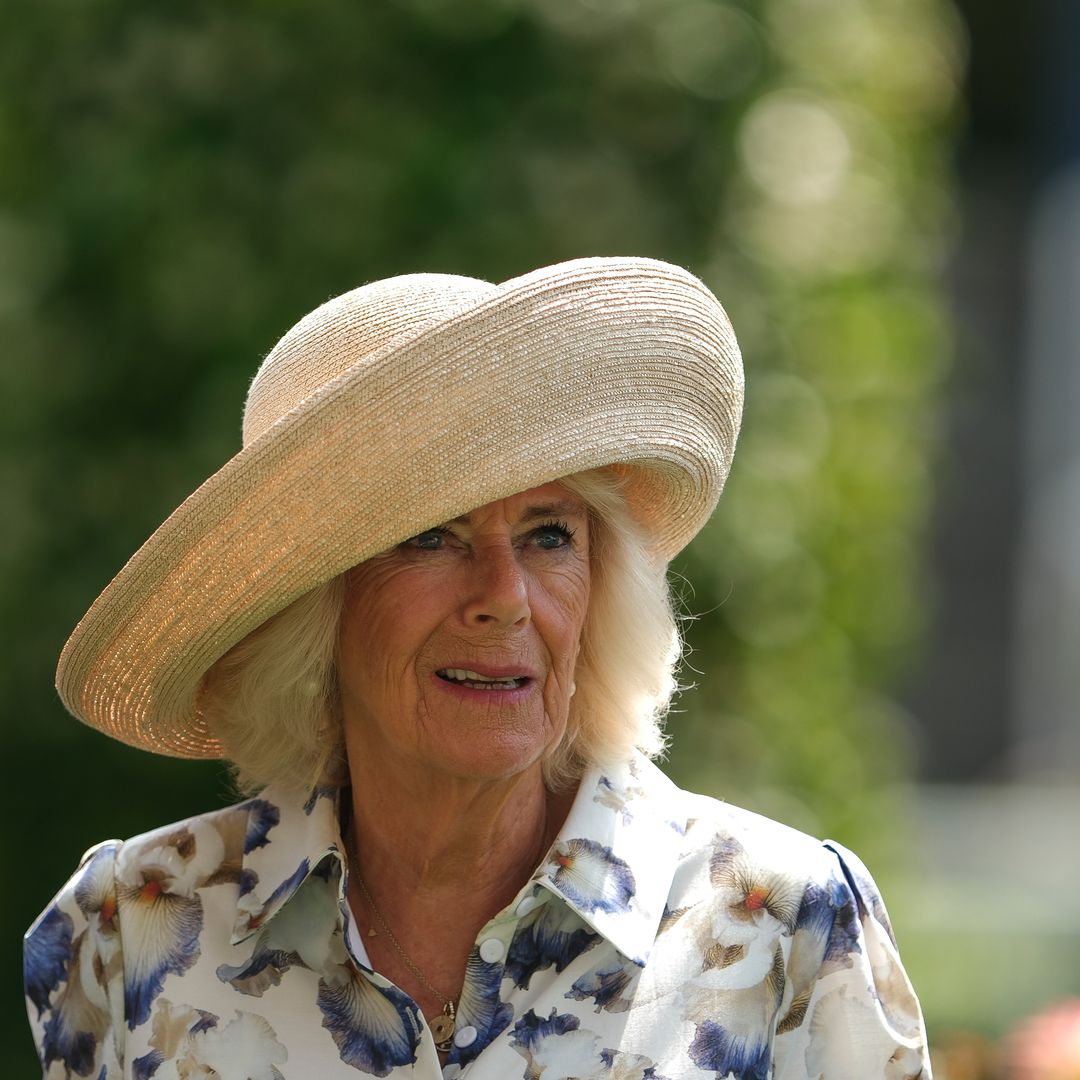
x=666 y=936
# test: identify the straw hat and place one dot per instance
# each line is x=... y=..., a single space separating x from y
x=391 y=409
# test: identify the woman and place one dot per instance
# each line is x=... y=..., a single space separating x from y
x=424 y=613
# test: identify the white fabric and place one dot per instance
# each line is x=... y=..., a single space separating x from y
x=672 y=937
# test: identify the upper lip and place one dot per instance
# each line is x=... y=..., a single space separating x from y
x=490 y=671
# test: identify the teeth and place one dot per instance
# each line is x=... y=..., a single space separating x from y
x=466 y=676
x=472 y=676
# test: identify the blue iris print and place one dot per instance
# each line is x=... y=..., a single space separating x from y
x=616 y=798
x=320 y=791
x=817 y=912
x=725 y=851
x=557 y=1044
x=480 y=1007
x=592 y=877
x=607 y=986
x=530 y=1030
x=74 y=1027
x=262 y=817
x=555 y=935
x=263 y=970
x=75 y=1047
x=626 y=1062
x=142 y=1068
x=168 y=928
x=735 y=1058
x=828 y=913
x=45 y=958
x=375 y=1028
x=54 y=959
x=287 y=887
x=95 y=890
x=671 y=916
x=862 y=887
x=248 y=880
x=298 y=935
x=290 y=884
x=195 y=1044
x=844 y=935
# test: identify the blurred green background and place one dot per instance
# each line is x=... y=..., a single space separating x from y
x=181 y=183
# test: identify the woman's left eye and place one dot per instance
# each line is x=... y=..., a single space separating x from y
x=552 y=535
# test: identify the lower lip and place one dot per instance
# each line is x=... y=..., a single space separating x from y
x=471 y=693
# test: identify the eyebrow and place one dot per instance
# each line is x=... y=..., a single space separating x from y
x=545 y=510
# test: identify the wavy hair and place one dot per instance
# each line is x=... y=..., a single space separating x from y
x=273 y=700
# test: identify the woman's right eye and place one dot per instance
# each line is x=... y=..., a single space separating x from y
x=428 y=540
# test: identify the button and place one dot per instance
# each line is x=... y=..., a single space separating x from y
x=526 y=905
x=465 y=1036
x=491 y=952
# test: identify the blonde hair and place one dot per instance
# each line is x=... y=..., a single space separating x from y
x=273 y=702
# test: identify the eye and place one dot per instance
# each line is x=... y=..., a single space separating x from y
x=553 y=535
x=428 y=540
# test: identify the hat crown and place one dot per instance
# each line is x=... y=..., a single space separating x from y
x=345 y=331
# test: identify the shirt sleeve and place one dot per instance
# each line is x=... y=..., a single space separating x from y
x=73 y=973
x=850 y=1009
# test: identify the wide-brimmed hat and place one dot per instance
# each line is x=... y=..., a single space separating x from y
x=393 y=408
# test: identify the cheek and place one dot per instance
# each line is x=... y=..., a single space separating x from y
x=576 y=610
x=380 y=629
x=567 y=623
x=574 y=627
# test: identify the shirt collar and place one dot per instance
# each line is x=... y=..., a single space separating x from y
x=616 y=854
x=285 y=840
x=612 y=862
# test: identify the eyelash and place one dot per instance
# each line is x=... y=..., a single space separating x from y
x=557 y=526
x=443 y=531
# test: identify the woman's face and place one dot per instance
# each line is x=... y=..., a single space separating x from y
x=457 y=647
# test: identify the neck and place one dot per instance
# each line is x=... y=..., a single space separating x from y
x=438 y=836
x=439 y=857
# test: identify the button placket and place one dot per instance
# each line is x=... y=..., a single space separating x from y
x=465 y=1036
x=492 y=950
x=493 y=942
x=492 y=946
x=525 y=905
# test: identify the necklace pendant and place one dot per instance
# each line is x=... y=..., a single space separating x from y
x=442 y=1027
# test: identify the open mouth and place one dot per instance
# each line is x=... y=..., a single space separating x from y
x=473 y=679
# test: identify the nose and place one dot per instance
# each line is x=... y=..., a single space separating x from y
x=498 y=592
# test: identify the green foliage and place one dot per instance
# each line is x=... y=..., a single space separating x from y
x=182 y=182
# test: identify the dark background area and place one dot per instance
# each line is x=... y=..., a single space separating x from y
x=962 y=688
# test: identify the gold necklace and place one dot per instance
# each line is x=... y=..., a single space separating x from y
x=442 y=1026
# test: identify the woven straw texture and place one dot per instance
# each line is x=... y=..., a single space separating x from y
x=391 y=409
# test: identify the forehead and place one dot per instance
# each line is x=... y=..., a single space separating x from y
x=548 y=500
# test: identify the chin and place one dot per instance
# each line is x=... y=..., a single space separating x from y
x=496 y=758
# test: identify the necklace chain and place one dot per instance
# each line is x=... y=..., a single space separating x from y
x=442 y=1027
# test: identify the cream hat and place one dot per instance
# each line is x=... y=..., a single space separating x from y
x=396 y=407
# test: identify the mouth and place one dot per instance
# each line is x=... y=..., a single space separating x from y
x=475 y=681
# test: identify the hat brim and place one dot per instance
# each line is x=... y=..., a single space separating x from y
x=597 y=362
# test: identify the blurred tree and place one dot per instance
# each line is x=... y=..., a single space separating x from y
x=182 y=182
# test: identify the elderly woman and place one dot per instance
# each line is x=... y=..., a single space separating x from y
x=424 y=613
